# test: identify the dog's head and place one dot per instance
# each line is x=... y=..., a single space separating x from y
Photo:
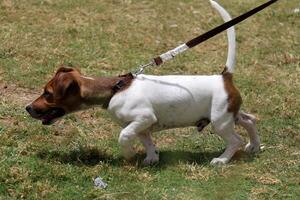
x=61 y=96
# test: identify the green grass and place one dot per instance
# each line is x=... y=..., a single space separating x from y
x=113 y=37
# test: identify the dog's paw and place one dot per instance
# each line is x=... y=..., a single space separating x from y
x=252 y=148
x=150 y=160
x=219 y=161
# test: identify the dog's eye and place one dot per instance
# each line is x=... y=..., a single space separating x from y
x=47 y=95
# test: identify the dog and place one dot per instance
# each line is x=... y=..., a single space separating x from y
x=144 y=104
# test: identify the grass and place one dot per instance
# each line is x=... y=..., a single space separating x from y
x=113 y=37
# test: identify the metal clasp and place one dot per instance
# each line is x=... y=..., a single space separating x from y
x=143 y=67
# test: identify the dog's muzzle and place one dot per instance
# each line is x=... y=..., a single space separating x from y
x=47 y=117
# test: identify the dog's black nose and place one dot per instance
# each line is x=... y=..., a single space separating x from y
x=28 y=108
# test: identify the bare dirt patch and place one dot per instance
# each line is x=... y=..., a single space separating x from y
x=13 y=96
x=16 y=95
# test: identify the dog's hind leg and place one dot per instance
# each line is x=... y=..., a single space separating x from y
x=248 y=122
x=152 y=153
x=131 y=131
x=225 y=129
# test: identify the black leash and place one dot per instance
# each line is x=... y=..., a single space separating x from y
x=227 y=25
x=172 y=53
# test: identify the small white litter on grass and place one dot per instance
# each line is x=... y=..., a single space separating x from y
x=296 y=10
x=99 y=183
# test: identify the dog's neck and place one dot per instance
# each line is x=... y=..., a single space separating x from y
x=98 y=91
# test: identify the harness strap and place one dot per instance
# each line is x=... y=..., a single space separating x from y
x=123 y=82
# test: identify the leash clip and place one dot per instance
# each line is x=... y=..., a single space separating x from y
x=143 y=67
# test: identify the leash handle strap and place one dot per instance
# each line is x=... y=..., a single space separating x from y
x=183 y=47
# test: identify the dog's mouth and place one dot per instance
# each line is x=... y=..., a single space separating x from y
x=50 y=116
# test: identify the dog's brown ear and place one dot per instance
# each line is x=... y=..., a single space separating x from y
x=65 y=68
x=65 y=84
x=66 y=71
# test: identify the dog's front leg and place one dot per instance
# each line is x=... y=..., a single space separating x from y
x=130 y=132
x=152 y=153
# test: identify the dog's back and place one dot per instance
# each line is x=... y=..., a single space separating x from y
x=177 y=101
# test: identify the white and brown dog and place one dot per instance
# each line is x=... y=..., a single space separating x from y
x=145 y=104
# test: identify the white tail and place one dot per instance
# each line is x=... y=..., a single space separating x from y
x=230 y=35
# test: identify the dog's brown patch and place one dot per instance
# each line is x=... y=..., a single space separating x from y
x=68 y=90
x=62 y=90
x=234 y=97
x=103 y=88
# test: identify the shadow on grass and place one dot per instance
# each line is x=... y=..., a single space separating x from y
x=173 y=157
x=81 y=156
x=202 y=158
x=93 y=156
